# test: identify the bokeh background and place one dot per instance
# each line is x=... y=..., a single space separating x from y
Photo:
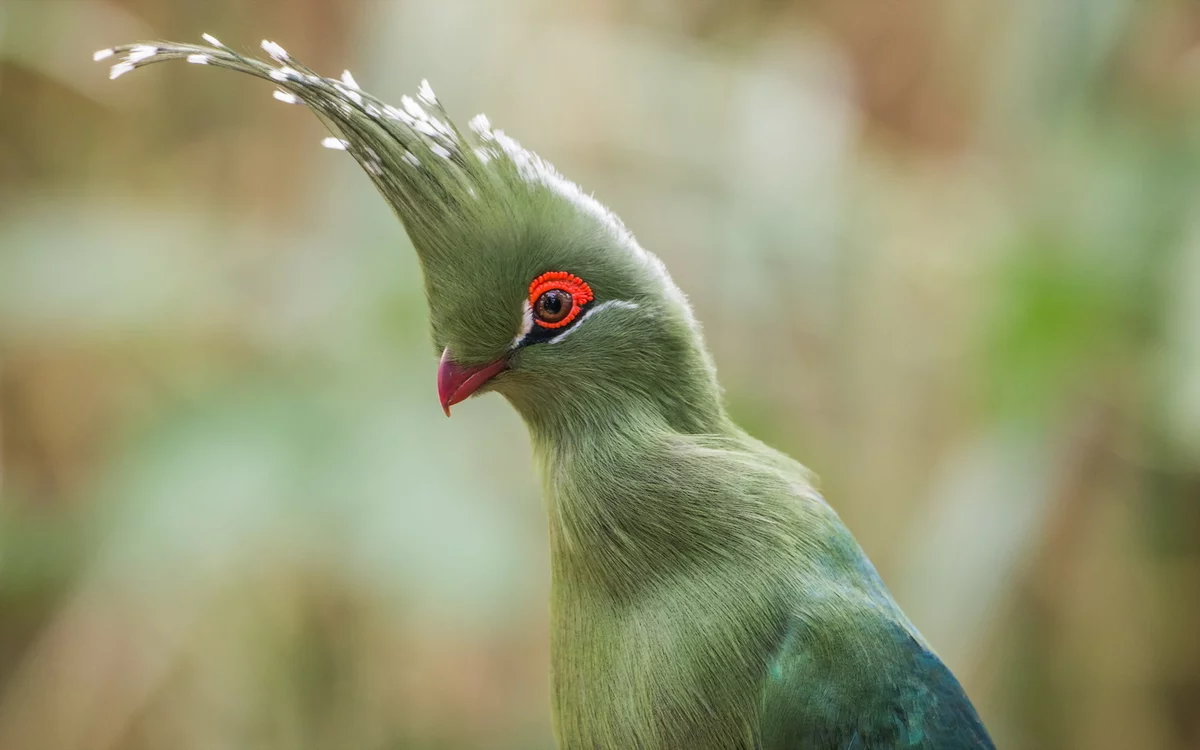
x=947 y=253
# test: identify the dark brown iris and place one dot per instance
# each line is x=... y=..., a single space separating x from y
x=553 y=306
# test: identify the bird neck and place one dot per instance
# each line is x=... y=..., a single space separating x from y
x=616 y=510
x=603 y=418
x=607 y=434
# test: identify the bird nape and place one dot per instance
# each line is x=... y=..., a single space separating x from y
x=704 y=594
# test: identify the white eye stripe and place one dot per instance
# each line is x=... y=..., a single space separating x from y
x=598 y=308
x=527 y=320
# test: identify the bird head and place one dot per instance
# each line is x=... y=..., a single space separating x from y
x=534 y=288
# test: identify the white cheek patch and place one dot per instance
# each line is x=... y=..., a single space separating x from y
x=526 y=325
x=610 y=304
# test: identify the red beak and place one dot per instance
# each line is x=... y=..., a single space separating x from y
x=455 y=382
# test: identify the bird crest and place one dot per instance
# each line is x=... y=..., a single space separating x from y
x=437 y=178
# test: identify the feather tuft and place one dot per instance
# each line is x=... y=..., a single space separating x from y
x=412 y=107
x=425 y=92
x=481 y=125
x=350 y=94
x=139 y=52
x=277 y=53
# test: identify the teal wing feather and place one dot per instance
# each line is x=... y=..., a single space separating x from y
x=891 y=692
x=852 y=673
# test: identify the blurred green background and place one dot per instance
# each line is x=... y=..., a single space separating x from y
x=947 y=253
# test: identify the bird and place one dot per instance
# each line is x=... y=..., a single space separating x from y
x=704 y=595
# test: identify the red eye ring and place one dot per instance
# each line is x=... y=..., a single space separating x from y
x=580 y=292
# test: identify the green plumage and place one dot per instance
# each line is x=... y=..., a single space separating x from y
x=704 y=594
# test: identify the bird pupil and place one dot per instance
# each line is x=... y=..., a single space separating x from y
x=553 y=306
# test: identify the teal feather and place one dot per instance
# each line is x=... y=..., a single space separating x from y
x=704 y=593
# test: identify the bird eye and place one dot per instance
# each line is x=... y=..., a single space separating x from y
x=553 y=306
x=557 y=297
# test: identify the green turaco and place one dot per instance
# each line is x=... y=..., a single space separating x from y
x=704 y=594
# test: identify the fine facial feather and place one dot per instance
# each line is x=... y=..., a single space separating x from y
x=705 y=595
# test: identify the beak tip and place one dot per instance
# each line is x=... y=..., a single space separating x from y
x=456 y=382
